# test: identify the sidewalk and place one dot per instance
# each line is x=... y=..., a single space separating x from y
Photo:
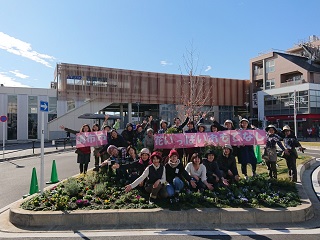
x=32 y=149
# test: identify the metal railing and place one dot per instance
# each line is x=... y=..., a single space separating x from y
x=291 y=83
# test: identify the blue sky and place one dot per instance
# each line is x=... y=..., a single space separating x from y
x=146 y=35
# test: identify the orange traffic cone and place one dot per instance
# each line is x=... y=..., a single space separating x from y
x=34 y=188
x=54 y=174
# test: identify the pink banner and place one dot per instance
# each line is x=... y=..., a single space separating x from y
x=91 y=139
x=190 y=140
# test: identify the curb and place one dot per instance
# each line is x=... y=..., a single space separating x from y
x=201 y=218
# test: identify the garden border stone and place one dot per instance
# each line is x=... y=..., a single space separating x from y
x=200 y=218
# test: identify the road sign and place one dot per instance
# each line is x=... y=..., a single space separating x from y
x=44 y=106
x=3 y=118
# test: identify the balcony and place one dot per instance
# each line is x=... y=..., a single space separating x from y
x=290 y=82
x=258 y=71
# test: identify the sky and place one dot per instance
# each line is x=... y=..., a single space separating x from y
x=146 y=35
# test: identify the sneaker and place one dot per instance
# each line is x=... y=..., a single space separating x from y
x=246 y=177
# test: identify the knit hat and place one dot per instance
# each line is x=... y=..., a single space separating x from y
x=173 y=152
x=110 y=149
x=271 y=126
x=157 y=154
x=145 y=150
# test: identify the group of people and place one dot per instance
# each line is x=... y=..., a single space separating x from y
x=161 y=172
x=166 y=179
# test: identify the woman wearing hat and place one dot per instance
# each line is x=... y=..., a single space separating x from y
x=198 y=174
x=246 y=153
x=136 y=166
x=214 y=175
x=227 y=164
x=290 y=143
x=149 y=140
x=175 y=172
x=270 y=155
x=156 y=177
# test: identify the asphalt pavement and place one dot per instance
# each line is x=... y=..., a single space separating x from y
x=16 y=150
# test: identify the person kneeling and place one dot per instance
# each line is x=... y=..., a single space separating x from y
x=156 y=177
x=198 y=174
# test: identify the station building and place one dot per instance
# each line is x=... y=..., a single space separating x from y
x=131 y=95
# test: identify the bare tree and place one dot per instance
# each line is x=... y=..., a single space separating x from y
x=195 y=93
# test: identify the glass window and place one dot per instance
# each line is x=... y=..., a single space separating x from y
x=270 y=66
x=52 y=108
x=70 y=104
x=32 y=117
x=12 y=117
x=270 y=83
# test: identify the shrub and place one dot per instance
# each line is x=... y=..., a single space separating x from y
x=100 y=189
x=72 y=187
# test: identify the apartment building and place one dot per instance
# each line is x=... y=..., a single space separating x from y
x=283 y=82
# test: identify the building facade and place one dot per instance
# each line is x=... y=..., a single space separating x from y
x=133 y=95
x=287 y=83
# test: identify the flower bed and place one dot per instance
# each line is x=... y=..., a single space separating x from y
x=100 y=191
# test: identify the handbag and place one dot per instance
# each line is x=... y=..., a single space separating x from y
x=265 y=155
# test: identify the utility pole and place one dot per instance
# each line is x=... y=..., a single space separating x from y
x=295 y=114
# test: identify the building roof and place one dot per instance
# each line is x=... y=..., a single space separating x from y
x=302 y=62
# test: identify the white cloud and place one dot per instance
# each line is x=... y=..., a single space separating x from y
x=208 y=68
x=20 y=48
x=18 y=74
x=165 y=63
x=9 y=81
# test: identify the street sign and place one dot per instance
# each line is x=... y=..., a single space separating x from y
x=44 y=106
x=3 y=118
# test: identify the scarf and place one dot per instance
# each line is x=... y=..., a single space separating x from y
x=173 y=165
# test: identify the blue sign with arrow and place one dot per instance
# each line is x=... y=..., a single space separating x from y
x=44 y=106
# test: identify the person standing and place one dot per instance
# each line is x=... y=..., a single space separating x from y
x=290 y=143
x=246 y=153
x=149 y=140
x=83 y=153
x=270 y=154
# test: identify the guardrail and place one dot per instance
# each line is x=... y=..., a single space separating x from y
x=63 y=141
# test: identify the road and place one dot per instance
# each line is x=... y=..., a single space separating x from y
x=16 y=174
